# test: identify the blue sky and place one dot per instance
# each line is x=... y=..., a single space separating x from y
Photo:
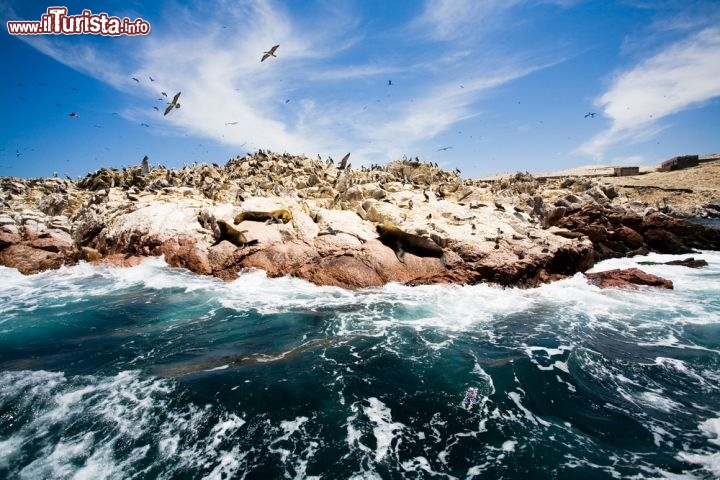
x=505 y=84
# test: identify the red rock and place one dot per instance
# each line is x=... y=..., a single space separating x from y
x=120 y=260
x=629 y=277
x=50 y=244
x=29 y=260
x=627 y=236
x=183 y=251
x=7 y=239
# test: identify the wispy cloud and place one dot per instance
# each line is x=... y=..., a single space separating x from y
x=230 y=96
x=683 y=75
x=453 y=19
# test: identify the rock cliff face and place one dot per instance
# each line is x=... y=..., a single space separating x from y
x=516 y=231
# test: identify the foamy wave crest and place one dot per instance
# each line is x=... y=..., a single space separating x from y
x=112 y=427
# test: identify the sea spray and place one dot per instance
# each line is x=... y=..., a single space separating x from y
x=152 y=371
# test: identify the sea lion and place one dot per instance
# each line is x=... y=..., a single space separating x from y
x=276 y=216
x=232 y=235
x=402 y=242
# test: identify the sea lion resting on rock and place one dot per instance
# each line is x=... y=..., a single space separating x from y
x=402 y=242
x=232 y=235
x=276 y=216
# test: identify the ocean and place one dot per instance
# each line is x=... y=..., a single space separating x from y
x=154 y=372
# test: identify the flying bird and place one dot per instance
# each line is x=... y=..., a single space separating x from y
x=144 y=125
x=136 y=79
x=343 y=162
x=389 y=83
x=173 y=104
x=444 y=149
x=156 y=108
x=73 y=115
x=151 y=79
x=231 y=123
x=590 y=114
x=43 y=84
x=269 y=53
x=164 y=94
x=75 y=88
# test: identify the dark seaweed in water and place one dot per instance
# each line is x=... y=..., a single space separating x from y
x=150 y=372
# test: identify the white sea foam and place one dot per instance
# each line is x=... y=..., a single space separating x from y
x=121 y=409
x=385 y=430
x=129 y=402
x=515 y=397
x=659 y=401
x=709 y=461
x=509 y=445
x=451 y=308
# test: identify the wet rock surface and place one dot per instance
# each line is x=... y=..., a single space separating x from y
x=627 y=278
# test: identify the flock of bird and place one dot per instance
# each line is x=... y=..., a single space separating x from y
x=174 y=103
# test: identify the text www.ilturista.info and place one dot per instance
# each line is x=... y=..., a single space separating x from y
x=57 y=22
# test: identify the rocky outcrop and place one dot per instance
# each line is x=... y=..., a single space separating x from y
x=627 y=278
x=617 y=232
x=685 y=262
x=517 y=231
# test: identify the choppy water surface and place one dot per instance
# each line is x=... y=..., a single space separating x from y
x=152 y=372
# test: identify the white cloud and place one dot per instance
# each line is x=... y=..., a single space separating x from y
x=684 y=75
x=216 y=65
x=452 y=19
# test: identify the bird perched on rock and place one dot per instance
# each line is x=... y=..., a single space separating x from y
x=269 y=53
x=173 y=104
x=145 y=166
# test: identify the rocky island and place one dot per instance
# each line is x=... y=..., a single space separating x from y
x=408 y=222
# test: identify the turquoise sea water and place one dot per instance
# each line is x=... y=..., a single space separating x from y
x=153 y=372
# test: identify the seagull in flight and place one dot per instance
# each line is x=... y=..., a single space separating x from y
x=136 y=79
x=444 y=149
x=173 y=104
x=151 y=79
x=269 y=53
x=73 y=115
x=590 y=114
x=231 y=123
